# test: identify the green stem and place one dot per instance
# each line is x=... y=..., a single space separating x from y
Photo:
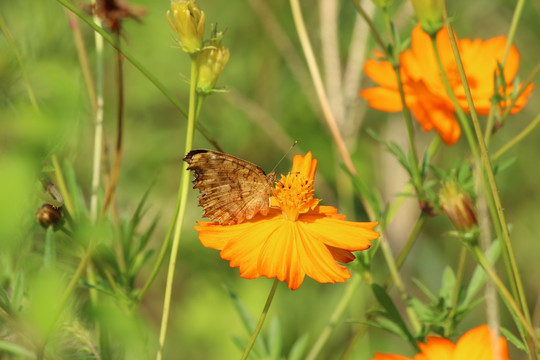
x=395 y=60
x=416 y=177
x=261 y=320
x=488 y=170
x=183 y=191
x=510 y=39
x=63 y=188
x=463 y=120
x=162 y=253
x=146 y=73
x=98 y=125
x=517 y=138
x=505 y=294
x=167 y=241
x=449 y=324
x=398 y=282
x=408 y=246
x=372 y=27
x=340 y=308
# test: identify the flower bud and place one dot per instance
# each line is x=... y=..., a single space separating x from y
x=48 y=215
x=429 y=14
x=210 y=62
x=188 y=23
x=458 y=206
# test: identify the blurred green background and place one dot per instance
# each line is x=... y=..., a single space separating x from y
x=271 y=102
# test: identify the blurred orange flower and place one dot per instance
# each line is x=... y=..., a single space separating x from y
x=425 y=93
x=475 y=344
x=296 y=238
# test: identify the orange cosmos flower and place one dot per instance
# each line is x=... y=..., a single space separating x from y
x=475 y=344
x=425 y=93
x=296 y=238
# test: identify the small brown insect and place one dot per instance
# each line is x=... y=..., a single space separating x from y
x=232 y=190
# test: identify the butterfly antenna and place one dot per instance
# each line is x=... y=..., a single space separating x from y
x=283 y=157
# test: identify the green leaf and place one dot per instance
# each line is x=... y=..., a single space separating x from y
x=423 y=311
x=425 y=290
x=513 y=339
x=14 y=349
x=275 y=340
x=478 y=279
x=247 y=320
x=299 y=348
x=18 y=292
x=391 y=311
x=447 y=285
x=503 y=165
x=49 y=255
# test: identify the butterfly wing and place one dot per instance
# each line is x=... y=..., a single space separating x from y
x=232 y=190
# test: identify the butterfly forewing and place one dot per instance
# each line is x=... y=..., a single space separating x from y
x=232 y=190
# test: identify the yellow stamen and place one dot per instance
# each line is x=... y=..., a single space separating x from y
x=294 y=194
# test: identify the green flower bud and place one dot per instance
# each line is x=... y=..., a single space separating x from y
x=430 y=15
x=189 y=21
x=211 y=61
x=458 y=206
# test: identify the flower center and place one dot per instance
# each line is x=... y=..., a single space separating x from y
x=294 y=194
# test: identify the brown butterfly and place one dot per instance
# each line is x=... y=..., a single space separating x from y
x=232 y=190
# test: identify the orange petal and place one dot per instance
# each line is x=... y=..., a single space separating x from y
x=522 y=100
x=305 y=165
x=434 y=113
x=343 y=256
x=437 y=348
x=289 y=254
x=477 y=344
x=381 y=72
x=383 y=99
x=348 y=235
x=420 y=62
x=279 y=257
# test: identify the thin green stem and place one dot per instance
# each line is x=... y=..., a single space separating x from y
x=335 y=318
x=109 y=194
x=408 y=246
x=488 y=170
x=459 y=111
x=127 y=55
x=167 y=241
x=416 y=177
x=398 y=282
x=98 y=125
x=372 y=27
x=395 y=60
x=449 y=324
x=124 y=52
x=183 y=191
x=505 y=294
x=62 y=186
x=510 y=39
x=510 y=144
x=260 y=323
x=162 y=252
